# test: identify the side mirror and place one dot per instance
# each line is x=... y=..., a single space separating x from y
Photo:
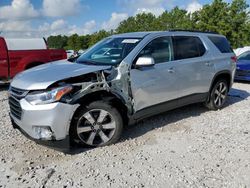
x=145 y=62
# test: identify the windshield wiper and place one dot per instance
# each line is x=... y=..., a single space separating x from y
x=87 y=62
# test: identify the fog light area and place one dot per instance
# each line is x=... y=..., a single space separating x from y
x=43 y=132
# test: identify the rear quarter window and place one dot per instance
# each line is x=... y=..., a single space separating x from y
x=221 y=43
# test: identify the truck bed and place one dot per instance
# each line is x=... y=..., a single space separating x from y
x=24 y=59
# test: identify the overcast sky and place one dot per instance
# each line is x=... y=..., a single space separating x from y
x=38 y=18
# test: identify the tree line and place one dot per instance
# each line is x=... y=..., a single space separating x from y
x=229 y=19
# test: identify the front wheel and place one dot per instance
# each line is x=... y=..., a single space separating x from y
x=98 y=124
x=218 y=95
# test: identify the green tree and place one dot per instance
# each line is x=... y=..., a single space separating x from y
x=72 y=42
x=213 y=17
x=83 y=41
x=57 y=42
x=141 y=22
x=175 y=19
x=95 y=37
x=229 y=19
x=239 y=23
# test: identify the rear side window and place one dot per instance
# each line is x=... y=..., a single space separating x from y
x=221 y=43
x=187 y=47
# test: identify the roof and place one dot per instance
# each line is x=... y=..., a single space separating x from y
x=26 y=44
x=143 y=34
x=132 y=35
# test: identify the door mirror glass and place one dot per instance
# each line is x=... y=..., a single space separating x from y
x=145 y=62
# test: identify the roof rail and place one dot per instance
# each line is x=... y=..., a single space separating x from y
x=195 y=31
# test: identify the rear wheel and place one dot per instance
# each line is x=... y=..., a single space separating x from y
x=218 y=95
x=98 y=124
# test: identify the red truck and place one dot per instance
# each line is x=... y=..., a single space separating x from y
x=17 y=55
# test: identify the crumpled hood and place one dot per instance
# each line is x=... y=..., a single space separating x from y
x=41 y=77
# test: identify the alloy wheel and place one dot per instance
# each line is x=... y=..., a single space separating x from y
x=96 y=127
x=220 y=94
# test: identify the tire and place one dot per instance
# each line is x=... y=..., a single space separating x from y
x=97 y=124
x=218 y=95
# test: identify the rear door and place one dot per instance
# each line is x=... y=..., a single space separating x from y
x=4 y=65
x=192 y=65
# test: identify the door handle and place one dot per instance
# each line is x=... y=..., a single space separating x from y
x=209 y=64
x=171 y=70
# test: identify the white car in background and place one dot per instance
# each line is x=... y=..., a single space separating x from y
x=70 y=53
x=81 y=51
x=240 y=51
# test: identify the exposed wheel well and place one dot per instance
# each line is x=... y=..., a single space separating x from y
x=107 y=97
x=33 y=64
x=223 y=75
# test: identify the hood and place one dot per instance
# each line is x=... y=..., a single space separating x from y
x=43 y=76
x=243 y=65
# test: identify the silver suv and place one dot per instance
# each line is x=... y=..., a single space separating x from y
x=119 y=81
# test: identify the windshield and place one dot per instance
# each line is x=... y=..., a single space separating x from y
x=110 y=51
x=244 y=56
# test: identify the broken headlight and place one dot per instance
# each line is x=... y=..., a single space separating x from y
x=47 y=97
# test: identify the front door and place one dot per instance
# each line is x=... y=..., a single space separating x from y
x=157 y=84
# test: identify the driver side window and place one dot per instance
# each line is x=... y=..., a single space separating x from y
x=160 y=49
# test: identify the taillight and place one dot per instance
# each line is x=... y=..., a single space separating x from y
x=234 y=59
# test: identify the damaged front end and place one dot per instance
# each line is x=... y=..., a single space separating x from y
x=114 y=81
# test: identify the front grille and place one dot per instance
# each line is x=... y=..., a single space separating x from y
x=18 y=93
x=243 y=73
x=15 y=107
x=15 y=95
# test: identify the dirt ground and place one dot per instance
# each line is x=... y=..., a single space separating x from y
x=187 y=147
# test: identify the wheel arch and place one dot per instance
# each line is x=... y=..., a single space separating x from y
x=111 y=98
x=222 y=75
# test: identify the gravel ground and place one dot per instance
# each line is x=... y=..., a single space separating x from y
x=187 y=147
